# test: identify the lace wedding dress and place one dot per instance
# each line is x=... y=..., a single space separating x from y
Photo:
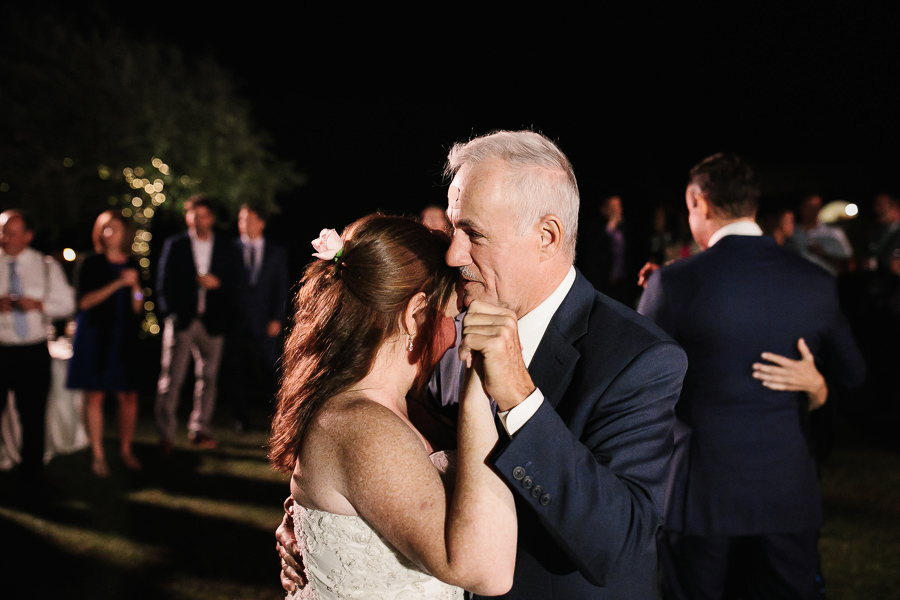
x=345 y=558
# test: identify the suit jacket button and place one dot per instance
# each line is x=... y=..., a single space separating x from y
x=518 y=473
x=536 y=491
x=527 y=482
x=545 y=500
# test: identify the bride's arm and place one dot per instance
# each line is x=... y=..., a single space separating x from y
x=482 y=504
x=389 y=479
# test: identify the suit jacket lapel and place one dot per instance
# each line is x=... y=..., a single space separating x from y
x=556 y=356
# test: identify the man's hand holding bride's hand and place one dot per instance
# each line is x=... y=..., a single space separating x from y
x=286 y=545
x=490 y=342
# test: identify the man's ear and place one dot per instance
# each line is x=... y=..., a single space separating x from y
x=415 y=306
x=551 y=229
x=696 y=200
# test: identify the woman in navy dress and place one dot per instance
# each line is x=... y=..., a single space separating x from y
x=109 y=307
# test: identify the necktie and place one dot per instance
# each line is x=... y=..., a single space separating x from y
x=253 y=270
x=15 y=290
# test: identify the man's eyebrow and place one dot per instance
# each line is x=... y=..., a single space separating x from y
x=465 y=224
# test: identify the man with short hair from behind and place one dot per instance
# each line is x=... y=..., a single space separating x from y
x=743 y=508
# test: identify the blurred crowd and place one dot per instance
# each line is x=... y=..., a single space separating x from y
x=224 y=301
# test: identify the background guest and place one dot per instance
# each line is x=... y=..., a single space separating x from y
x=884 y=248
x=195 y=286
x=823 y=244
x=109 y=307
x=743 y=502
x=33 y=291
x=435 y=217
x=254 y=344
x=778 y=223
x=606 y=252
x=661 y=237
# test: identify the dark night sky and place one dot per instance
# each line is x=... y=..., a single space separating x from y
x=368 y=104
x=369 y=108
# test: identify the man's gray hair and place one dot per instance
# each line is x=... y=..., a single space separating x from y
x=539 y=176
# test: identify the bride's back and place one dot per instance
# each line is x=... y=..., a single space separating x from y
x=345 y=441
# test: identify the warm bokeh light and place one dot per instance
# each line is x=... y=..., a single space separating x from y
x=69 y=255
x=141 y=206
x=838 y=210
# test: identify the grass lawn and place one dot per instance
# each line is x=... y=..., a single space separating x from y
x=198 y=525
x=860 y=543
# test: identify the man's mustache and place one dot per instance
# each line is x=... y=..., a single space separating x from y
x=468 y=274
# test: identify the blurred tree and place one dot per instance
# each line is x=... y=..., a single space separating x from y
x=92 y=117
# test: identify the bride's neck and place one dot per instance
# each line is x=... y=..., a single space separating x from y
x=390 y=379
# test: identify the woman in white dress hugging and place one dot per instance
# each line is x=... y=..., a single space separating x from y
x=376 y=513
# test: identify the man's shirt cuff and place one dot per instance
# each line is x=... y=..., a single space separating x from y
x=514 y=418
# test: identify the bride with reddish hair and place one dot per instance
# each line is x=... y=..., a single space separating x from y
x=381 y=511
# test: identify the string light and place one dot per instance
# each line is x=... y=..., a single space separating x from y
x=148 y=193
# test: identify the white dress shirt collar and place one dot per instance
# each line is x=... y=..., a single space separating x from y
x=533 y=325
x=735 y=228
x=202 y=250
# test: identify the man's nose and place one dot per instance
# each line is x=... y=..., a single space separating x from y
x=458 y=252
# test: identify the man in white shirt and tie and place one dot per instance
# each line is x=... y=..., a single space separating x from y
x=33 y=292
x=253 y=349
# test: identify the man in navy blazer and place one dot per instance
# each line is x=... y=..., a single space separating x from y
x=262 y=299
x=585 y=388
x=195 y=289
x=744 y=504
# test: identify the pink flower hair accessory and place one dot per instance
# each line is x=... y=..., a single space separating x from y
x=329 y=245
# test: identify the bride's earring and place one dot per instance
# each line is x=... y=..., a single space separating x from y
x=409 y=346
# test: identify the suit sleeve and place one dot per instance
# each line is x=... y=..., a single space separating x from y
x=653 y=303
x=600 y=496
x=163 y=280
x=840 y=359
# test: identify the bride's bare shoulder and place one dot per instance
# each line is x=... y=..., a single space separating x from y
x=357 y=419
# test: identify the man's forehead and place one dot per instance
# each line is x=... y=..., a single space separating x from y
x=8 y=222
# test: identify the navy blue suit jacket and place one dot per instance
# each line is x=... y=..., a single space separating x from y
x=588 y=470
x=265 y=300
x=177 y=287
x=748 y=468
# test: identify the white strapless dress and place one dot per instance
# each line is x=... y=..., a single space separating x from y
x=345 y=558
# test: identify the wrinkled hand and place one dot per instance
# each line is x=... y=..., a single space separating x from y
x=490 y=343
x=292 y=576
x=793 y=375
x=646 y=271
x=209 y=281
